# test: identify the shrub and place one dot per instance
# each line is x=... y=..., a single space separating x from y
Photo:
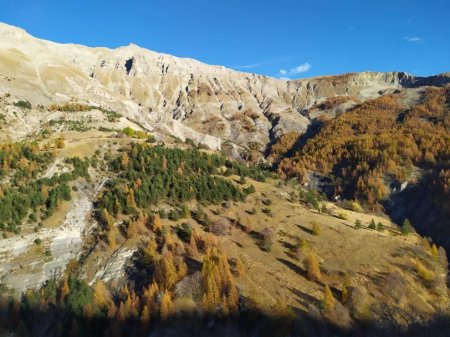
x=38 y=241
x=267 y=237
x=174 y=215
x=162 y=213
x=380 y=226
x=221 y=226
x=316 y=230
x=342 y=215
x=128 y=131
x=407 y=228
x=426 y=275
x=267 y=202
x=358 y=223
x=23 y=104
x=184 y=231
x=372 y=224
x=328 y=301
x=140 y=134
x=351 y=205
x=267 y=210
x=250 y=189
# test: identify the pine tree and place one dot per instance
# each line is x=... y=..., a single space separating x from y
x=345 y=289
x=150 y=252
x=124 y=160
x=232 y=298
x=328 y=301
x=100 y=294
x=146 y=314
x=435 y=252
x=313 y=267
x=316 y=230
x=165 y=272
x=107 y=218
x=150 y=296
x=186 y=213
x=239 y=267
x=112 y=311
x=156 y=225
x=193 y=250
x=131 y=201
x=182 y=270
x=426 y=244
x=120 y=315
x=166 y=306
x=406 y=227
x=64 y=290
x=112 y=236
x=132 y=230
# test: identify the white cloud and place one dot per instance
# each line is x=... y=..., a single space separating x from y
x=413 y=39
x=284 y=78
x=254 y=65
x=302 y=68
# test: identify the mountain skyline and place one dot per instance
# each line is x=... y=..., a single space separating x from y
x=280 y=39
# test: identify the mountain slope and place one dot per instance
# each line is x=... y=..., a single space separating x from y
x=182 y=96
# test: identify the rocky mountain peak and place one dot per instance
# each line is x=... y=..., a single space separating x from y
x=180 y=95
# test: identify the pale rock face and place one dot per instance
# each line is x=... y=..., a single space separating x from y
x=210 y=104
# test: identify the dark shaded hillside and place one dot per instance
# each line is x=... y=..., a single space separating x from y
x=427 y=211
x=61 y=318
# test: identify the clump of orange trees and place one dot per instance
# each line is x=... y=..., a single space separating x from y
x=378 y=141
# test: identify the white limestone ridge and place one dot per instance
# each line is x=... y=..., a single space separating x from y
x=179 y=95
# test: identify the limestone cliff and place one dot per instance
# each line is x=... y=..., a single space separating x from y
x=181 y=96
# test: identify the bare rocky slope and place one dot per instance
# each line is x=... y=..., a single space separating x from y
x=183 y=97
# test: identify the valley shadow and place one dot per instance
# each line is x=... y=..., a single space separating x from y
x=58 y=319
x=425 y=208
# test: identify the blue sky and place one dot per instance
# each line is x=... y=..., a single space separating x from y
x=283 y=38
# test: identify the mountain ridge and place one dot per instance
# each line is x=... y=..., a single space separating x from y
x=181 y=96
